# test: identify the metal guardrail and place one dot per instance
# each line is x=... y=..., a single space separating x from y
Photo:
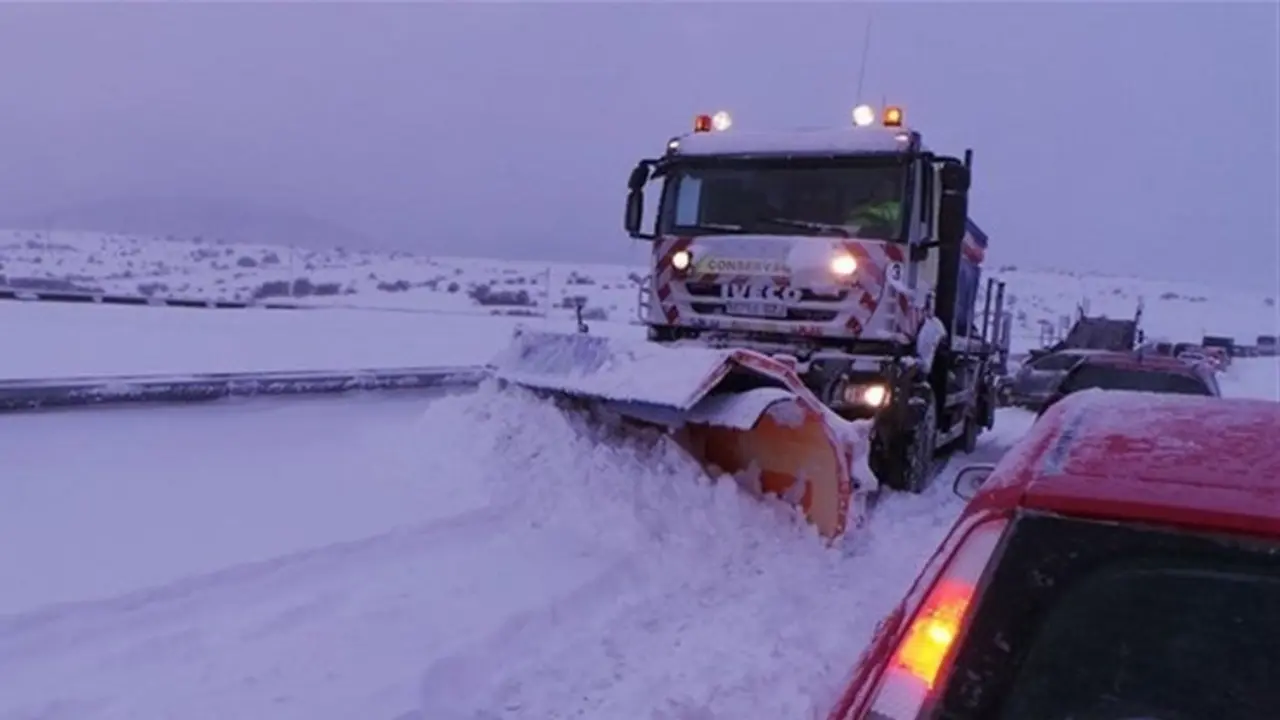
x=79 y=392
x=99 y=298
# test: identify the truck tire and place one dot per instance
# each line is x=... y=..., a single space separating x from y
x=903 y=460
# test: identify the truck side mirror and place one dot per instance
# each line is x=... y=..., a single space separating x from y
x=953 y=209
x=639 y=176
x=634 y=214
x=955 y=178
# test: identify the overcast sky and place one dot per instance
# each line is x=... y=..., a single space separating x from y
x=1137 y=138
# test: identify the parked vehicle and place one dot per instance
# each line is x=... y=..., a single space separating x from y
x=1119 y=563
x=1219 y=357
x=1142 y=373
x=1228 y=344
x=1033 y=384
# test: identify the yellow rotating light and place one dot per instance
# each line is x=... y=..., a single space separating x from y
x=863 y=115
x=721 y=121
x=681 y=260
x=844 y=265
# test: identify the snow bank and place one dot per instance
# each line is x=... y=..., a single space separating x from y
x=733 y=607
x=1252 y=377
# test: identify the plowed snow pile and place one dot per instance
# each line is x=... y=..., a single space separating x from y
x=720 y=606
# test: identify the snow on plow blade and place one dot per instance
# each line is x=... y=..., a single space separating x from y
x=734 y=411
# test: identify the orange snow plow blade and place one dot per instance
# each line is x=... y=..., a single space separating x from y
x=733 y=411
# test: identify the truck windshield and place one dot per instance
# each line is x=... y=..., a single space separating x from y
x=776 y=198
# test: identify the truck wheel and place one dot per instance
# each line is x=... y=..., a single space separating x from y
x=906 y=458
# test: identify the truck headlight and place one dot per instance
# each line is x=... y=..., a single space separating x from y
x=843 y=265
x=681 y=260
x=874 y=396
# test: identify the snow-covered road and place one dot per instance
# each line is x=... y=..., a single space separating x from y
x=379 y=558
x=477 y=555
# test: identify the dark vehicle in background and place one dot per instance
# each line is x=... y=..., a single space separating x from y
x=1228 y=344
x=1266 y=345
x=1118 y=564
x=1033 y=384
x=1137 y=372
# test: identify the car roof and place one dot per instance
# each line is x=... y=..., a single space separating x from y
x=1140 y=361
x=1065 y=352
x=1207 y=463
x=1077 y=351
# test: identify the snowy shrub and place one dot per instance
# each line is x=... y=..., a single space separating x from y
x=397 y=286
x=486 y=295
x=302 y=287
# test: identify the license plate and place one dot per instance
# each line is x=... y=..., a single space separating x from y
x=756 y=309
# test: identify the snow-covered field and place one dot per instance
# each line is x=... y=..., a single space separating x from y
x=387 y=283
x=419 y=557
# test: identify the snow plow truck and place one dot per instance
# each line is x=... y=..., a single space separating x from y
x=810 y=313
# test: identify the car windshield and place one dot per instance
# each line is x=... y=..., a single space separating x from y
x=1106 y=621
x=1107 y=377
x=772 y=198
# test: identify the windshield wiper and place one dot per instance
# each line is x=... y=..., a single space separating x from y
x=806 y=225
x=847 y=231
x=714 y=228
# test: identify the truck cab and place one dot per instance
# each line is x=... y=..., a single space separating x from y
x=846 y=238
x=846 y=251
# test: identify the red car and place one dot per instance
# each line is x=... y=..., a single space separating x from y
x=1122 y=562
x=1133 y=371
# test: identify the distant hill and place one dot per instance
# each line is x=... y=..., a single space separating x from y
x=227 y=219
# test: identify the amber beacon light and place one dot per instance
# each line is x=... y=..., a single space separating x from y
x=719 y=122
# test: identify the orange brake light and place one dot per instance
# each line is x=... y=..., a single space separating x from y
x=934 y=630
x=907 y=683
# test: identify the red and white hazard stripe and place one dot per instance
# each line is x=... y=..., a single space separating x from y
x=664 y=249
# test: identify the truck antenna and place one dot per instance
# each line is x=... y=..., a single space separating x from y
x=866 y=48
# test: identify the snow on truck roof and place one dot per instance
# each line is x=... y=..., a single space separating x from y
x=823 y=141
x=1204 y=462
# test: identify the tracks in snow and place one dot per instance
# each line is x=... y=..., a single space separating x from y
x=245 y=582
